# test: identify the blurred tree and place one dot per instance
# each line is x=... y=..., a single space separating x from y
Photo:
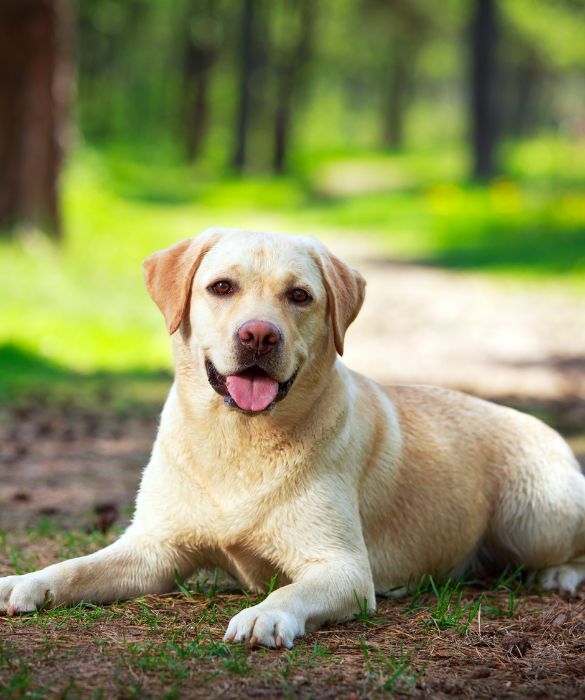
x=162 y=79
x=398 y=88
x=292 y=64
x=406 y=25
x=544 y=55
x=483 y=39
x=109 y=35
x=248 y=61
x=36 y=78
x=520 y=87
x=202 y=44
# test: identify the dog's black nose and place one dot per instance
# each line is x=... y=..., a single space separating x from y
x=258 y=336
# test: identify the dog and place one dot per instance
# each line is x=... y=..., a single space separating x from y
x=273 y=457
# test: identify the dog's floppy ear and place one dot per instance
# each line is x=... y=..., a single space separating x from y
x=169 y=273
x=346 y=290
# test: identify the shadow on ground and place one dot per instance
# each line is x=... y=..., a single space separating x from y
x=29 y=381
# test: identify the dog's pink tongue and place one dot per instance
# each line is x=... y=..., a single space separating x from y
x=252 y=392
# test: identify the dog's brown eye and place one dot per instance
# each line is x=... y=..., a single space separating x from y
x=221 y=288
x=299 y=296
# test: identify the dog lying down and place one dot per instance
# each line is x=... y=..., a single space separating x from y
x=272 y=456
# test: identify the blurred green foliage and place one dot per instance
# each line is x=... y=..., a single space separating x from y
x=133 y=71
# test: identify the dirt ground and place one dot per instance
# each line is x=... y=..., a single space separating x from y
x=169 y=646
x=78 y=470
x=495 y=338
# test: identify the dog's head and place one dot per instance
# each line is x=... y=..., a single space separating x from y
x=255 y=310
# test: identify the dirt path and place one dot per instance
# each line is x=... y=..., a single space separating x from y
x=430 y=325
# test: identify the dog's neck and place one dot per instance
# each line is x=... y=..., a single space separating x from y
x=252 y=453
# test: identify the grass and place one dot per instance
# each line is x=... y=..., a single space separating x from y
x=449 y=610
x=445 y=639
x=447 y=604
x=78 y=315
x=364 y=613
x=388 y=672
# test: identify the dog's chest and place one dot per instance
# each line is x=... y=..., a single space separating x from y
x=230 y=492
x=242 y=484
x=226 y=506
x=239 y=525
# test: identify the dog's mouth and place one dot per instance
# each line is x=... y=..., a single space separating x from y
x=252 y=390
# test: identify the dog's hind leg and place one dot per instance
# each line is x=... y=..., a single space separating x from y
x=539 y=520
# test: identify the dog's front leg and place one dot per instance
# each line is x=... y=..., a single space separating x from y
x=327 y=591
x=136 y=564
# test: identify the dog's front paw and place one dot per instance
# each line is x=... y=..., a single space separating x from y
x=263 y=626
x=20 y=594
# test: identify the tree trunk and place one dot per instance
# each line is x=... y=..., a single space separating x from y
x=393 y=133
x=36 y=76
x=282 y=119
x=197 y=108
x=483 y=75
x=289 y=82
x=200 y=56
x=526 y=84
x=247 y=55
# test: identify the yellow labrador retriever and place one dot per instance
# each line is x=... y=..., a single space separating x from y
x=273 y=457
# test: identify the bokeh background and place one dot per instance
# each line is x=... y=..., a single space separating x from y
x=440 y=147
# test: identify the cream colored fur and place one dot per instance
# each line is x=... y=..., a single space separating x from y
x=342 y=488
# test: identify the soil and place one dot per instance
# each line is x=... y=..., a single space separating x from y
x=168 y=646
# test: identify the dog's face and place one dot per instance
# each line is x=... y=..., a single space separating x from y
x=256 y=310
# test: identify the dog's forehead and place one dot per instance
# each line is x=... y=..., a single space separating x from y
x=262 y=254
